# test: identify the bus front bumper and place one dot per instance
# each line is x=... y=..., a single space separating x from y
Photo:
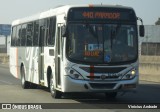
x=72 y=85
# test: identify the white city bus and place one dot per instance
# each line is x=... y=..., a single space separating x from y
x=90 y=48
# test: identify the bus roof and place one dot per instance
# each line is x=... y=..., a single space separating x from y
x=60 y=10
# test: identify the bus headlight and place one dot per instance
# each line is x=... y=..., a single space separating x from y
x=74 y=74
x=131 y=74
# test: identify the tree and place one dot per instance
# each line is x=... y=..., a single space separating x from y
x=157 y=22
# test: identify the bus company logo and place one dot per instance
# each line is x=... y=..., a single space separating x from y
x=6 y=106
x=103 y=77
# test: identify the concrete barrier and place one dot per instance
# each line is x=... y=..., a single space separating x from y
x=149 y=68
x=4 y=58
x=150 y=71
x=149 y=59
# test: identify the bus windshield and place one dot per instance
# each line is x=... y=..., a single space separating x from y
x=102 y=43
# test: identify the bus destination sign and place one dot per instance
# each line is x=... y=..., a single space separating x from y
x=101 y=15
x=104 y=14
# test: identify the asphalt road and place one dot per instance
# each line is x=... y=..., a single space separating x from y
x=11 y=92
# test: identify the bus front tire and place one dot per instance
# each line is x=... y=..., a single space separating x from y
x=24 y=83
x=54 y=93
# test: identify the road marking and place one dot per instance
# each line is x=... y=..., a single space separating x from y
x=6 y=82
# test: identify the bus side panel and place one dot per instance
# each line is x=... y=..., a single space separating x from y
x=14 y=62
x=29 y=57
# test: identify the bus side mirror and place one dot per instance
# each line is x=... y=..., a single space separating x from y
x=141 y=30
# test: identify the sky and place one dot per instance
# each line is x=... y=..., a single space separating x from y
x=148 y=10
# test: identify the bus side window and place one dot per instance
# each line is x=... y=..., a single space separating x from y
x=35 y=35
x=23 y=35
x=47 y=22
x=43 y=25
x=13 y=36
x=42 y=32
x=52 y=28
x=29 y=33
x=18 y=36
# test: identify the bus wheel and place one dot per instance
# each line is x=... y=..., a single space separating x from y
x=24 y=83
x=111 y=95
x=54 y=93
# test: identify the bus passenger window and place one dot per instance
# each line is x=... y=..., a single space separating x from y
x=43 y=32
x=13 y=37
x=35 y=35
x=18 y=36
x=29 y=34
x=23 y=35
x=52 y=28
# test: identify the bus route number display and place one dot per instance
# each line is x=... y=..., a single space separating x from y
x=101 y=15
